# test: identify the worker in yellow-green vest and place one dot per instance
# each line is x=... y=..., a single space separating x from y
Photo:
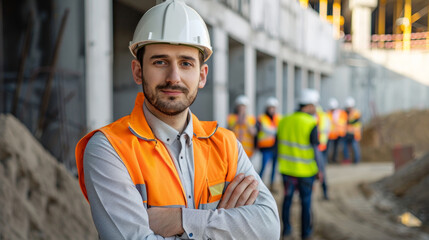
x=299 y=159
x=267 y=133
x=243 y=124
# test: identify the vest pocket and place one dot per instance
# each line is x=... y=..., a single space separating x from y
x=214 y=194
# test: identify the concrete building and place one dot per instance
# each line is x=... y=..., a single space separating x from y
x=65 y=65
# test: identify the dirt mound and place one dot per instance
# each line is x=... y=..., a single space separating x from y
x=408 y=187
x=404 y=129
x=39 y=199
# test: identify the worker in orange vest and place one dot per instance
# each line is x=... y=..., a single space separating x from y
x=354 y=131
x=160 y=172
x=243 y=124
x=267 y=137
x=338 y=118
x=324 y=127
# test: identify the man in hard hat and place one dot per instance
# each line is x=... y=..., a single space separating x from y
x=298 y=158
x=243 y=124
x=267 y=137
x=354 y=131
x=160 y=172
x=338 y=118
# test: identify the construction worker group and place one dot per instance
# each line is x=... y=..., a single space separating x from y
x=161 y=173
x=302 y=143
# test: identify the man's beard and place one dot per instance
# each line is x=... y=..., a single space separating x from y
x=172 y=105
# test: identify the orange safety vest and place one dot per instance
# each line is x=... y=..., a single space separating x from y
x=242 y=132
x=152 y=169
x=338 y=118
x=354 y=128
x=268 y=131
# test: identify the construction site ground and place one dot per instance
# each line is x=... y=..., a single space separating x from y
x=353 y=211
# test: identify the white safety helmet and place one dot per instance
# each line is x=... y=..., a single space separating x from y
x=350 y=102
x=271 y=102
x=309 y=96
x=241 y=100
x=172 y=22
x=333 y=103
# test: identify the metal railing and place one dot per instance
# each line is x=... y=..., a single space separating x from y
x=418 y=41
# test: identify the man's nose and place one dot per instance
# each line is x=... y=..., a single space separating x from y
x=173 y=76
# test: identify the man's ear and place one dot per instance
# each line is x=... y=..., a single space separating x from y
x=137 y=71
x=203 y=75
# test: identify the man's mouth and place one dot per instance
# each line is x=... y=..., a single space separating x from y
x=171 y=92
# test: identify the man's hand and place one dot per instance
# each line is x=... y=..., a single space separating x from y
x=319 y=176
x=166 y=222
x=240 y=192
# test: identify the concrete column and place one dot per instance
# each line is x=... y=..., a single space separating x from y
x=220 y=75
x=98 y=74
x=279 y=83
x=317 y=80
x=290 y=101
x=250 y=76
x=361 y=23
x=304 y=77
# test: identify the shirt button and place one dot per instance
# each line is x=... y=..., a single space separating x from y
x=189 y=196
x=191 y=234
x=168 y=139
x=181 y=157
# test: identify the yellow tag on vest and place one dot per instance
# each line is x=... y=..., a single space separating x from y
x=217 y=189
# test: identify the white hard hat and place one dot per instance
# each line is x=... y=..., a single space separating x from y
x=333 y=103
x=350 y=102
x=172 y=22
x=241 y=100
x=309 y=96
x=271 y=102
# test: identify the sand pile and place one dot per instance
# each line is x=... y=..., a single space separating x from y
x=406 y=129
x=39 y=199
x=408 y=188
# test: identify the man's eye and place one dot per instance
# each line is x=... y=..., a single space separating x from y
x=159 y=62
x=187 y=64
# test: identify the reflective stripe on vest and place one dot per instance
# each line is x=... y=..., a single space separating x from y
x=153 y=171
x=268 y=131
x=296 y=155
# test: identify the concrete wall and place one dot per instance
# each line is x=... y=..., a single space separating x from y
x=270 y=45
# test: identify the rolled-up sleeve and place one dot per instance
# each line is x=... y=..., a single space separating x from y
x=257 y=221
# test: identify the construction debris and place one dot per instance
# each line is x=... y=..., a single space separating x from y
x=403 y=130
x=39 y=198
x=408 y=188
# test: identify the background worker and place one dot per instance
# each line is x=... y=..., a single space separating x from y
x=267 y=137
x=299 y=159
x=354 y=131
x=338 y=118
x=323 y=126
x=160 y=172
x=243 y=124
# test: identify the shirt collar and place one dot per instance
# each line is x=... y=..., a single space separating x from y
x=165 y=132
